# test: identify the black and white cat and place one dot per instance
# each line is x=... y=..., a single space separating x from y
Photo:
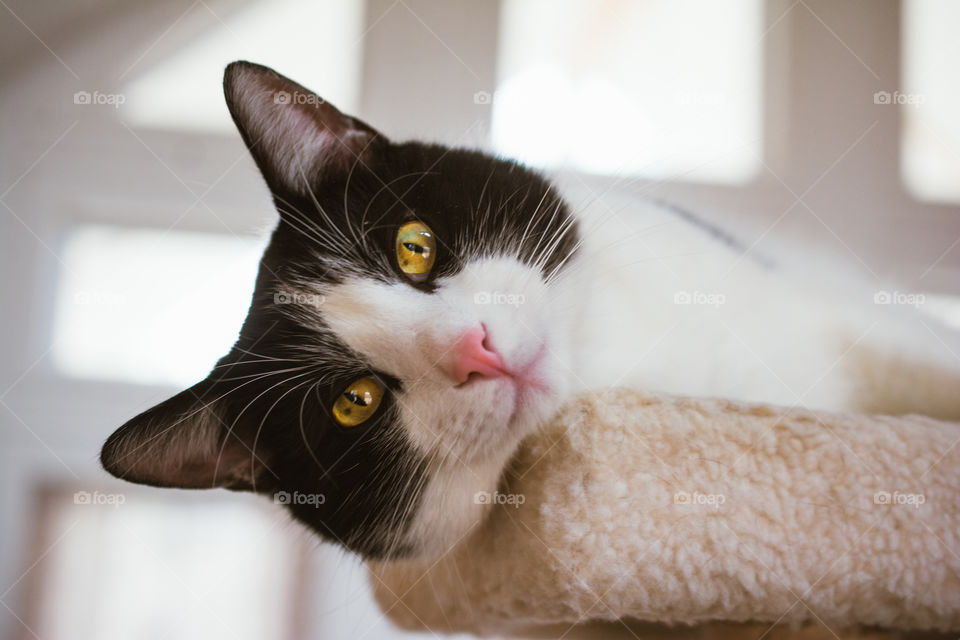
x=420 y=310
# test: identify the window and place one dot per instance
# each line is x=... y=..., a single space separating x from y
x=317 y=43
x=150 y=306
x=930 y=134
x=145 y=564
x=639 y=88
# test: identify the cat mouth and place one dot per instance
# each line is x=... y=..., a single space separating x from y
x=528 y=376
x=522 y=378
x=526 y=382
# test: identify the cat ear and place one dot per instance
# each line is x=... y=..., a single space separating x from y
x=294 y=135
x=183 y=442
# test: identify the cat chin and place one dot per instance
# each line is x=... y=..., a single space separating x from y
x=462 y=480
x=451 y=505
x=458 y=496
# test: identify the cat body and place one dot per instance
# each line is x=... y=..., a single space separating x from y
x=420 y=310
x=680 y=310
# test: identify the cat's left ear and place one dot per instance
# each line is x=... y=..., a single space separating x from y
x=193 y=440
x=296 y=138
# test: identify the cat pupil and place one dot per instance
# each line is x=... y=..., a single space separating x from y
x=355 y=398
x=414 y=247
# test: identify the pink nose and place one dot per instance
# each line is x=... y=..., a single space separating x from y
x=472 y=354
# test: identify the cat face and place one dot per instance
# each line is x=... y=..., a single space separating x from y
x=410 y=325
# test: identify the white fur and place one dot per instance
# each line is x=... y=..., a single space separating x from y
x=613 y=319
x=779 y=336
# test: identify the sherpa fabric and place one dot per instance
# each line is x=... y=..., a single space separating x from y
x=676 y=510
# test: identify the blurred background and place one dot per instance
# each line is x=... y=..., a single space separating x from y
x=131 y=220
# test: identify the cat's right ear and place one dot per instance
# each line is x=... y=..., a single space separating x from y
x=297 y=139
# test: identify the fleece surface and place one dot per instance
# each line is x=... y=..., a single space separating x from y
x=677 y=510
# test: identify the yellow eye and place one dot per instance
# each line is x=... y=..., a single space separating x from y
x=416 y=250
x=358 y=402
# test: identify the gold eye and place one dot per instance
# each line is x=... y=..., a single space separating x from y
x=358 y=402
x=416 y=250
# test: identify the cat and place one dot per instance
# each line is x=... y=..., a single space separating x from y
x=420 y=310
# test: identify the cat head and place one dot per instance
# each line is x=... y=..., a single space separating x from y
x=409 y=326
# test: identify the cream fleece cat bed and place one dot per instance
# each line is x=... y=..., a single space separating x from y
x=683 y=511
